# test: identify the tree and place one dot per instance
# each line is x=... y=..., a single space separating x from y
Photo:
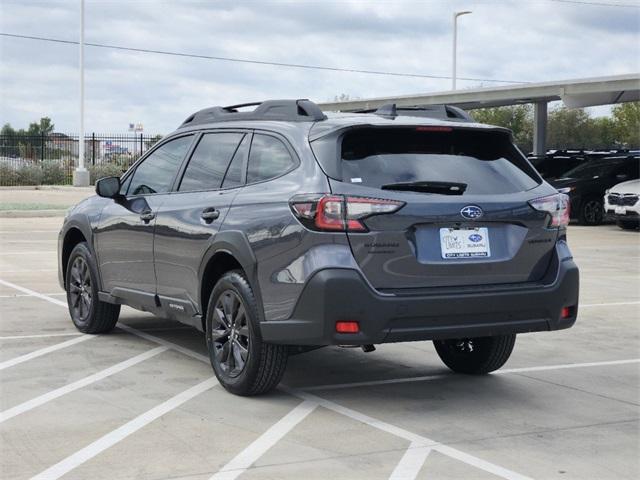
x=152 y=141
x=569 y=128
x=517 y=118
x=43 y=127
x=626 y=118
x=29 y=143
x=604 y=134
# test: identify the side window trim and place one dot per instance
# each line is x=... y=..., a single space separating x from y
x=287 y=145
x=132 y=170
x=185 y=162
x=245 y=162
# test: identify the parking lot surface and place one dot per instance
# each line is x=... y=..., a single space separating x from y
x=142 y=401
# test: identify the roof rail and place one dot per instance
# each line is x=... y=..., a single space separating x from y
x=301 y=110
x=441 y=112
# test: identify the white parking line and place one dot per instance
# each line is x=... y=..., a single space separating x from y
x=241 y=462
x=83 y=382
x=31 y=252
x=22 y=232
x=22 y=241
x=33 y=293
x=75 y=334
x=19 y=295
x=119 y=434
x=31 y=270
x=411 y=462
x=126 y=328
x=612 y=304
x=44 y=351
x=160 y=341
x=412 y=437
x=114 y=437
x=45 y=335
x=426 y=378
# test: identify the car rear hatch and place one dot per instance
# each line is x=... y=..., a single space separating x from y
x=465 y=217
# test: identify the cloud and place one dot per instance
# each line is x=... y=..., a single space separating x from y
x=532 y=41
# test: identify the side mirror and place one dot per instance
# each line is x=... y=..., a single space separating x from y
x=108 y=187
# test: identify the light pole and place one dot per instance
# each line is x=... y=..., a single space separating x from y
x=455 y=45
x=81 y=175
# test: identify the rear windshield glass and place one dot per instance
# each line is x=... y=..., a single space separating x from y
x=479 y=162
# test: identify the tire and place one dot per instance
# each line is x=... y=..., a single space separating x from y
x=88 y=313
x=627 y=224
x=475 y=356
x=591 y=211
x=243 y=363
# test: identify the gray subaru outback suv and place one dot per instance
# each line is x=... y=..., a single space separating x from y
x=282 y=229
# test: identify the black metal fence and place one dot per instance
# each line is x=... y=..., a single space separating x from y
x=51 y=159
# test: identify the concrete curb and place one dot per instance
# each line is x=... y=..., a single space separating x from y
x=60 y=188
x=32 y=213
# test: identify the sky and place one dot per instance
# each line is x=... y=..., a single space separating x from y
x=515 y=40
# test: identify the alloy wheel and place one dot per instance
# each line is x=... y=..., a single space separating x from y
x=230 y=334
x=80 y=298
x=593 y=211
x=464 y=346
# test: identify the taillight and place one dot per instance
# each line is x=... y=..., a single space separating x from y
x=339 y=213
x=557 y=205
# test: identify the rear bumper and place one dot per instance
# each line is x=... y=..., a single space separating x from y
x=342 y=294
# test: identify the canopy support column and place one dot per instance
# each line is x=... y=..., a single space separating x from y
x=540 y=128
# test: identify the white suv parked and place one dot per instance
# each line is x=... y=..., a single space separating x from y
x=621 y=202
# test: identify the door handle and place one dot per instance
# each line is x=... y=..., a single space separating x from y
x=209 y=214
x=147 y=216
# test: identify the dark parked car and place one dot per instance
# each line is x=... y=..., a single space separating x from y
x=586 y=184
x=556 y=162
x=282 y=229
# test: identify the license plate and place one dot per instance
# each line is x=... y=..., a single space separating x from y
x=621 y=211
x=464 y=242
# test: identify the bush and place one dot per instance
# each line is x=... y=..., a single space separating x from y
x=30 y=175
x=104 y=170
x=53 y=173
x=48 y=172
x=8 y=176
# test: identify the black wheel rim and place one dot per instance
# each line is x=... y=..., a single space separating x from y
x=80 y=295
x=463 y=346
x=230 y=334
x=592 y=211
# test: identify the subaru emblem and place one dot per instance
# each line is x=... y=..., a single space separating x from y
x=471 y=212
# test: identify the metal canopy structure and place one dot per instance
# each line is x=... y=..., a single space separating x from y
x=583 y=92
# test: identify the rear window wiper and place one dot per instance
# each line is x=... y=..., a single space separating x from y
x=443 y=188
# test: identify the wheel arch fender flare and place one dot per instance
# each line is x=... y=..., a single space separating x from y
x=82 y=225
x=235 y=244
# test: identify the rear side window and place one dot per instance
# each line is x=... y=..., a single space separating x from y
x=209 y=162
x=269 y=158
x=478 y=162
x=156 y=172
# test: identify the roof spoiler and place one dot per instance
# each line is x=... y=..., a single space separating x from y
x=440 y=112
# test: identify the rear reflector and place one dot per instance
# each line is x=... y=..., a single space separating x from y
x=347 y=327
x=565 y=312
